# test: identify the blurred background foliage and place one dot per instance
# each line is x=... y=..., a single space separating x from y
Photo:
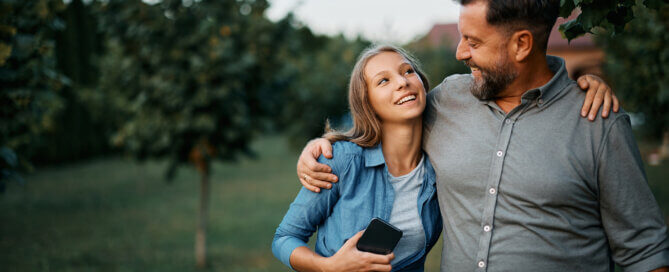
x=634 y=35
x=153 y=80
x=187 y=82
x=31 y=84
x=637 y=65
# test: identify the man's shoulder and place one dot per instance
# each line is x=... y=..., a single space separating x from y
x=572 y=102
x=458 y=78
x=621 y=119
x=454 y=90
x=456 y=84
x=566 y=114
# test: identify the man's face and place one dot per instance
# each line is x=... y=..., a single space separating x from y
x=483 y=48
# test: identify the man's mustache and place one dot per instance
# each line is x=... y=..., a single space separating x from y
x=471 y=64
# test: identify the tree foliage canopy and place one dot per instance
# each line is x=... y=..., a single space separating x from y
x=318 y=69
x=30 y=82
x=181 y=75
x=599 y=16
x=637 y=63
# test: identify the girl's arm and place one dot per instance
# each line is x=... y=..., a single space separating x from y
x=305 y=214
x=348 y=258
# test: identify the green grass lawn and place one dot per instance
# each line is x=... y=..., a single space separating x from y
x=116 y=215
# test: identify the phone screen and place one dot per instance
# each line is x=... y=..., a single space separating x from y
x=380 y=237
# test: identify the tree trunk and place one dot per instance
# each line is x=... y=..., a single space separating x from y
x=201 y=232
x=664 y=148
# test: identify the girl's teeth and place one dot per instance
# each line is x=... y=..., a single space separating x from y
x=408 y=98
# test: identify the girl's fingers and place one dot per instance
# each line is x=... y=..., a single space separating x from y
x=596 y=103
x=607 y=104
x=616 y=104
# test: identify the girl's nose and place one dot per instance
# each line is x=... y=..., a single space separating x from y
x=402 y=82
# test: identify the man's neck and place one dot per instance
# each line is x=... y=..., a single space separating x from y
x=532 y=75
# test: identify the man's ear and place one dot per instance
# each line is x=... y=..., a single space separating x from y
x=521 y=44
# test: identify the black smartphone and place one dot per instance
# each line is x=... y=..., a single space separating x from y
x=380 y=237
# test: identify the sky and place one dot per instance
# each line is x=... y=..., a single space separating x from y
x=376 y=20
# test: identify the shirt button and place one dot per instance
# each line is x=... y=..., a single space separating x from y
x=500 y=153
x=507 y=121
x=492 y=191
x=486 y=228
x=481 y=264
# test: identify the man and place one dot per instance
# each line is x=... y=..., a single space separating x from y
x=523 y=183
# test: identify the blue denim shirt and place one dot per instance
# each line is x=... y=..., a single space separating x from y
x=362 y=193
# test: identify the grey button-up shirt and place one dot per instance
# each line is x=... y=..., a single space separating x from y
x=539 y=188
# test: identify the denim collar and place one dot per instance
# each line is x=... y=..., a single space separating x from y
x=373 y=156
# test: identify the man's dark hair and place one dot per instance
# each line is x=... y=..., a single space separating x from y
x=537 y=16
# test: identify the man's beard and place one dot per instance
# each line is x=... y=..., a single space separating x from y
x=493 y=80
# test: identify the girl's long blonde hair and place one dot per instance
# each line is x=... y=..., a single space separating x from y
x=366 y=130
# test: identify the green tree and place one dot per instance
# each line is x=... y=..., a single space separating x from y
x=76 y=48
x=29 y=97
x=191 y=81
x=637 y=63
x=601 y=16
x=437 y=62
x=634 y=34
x=317 y=68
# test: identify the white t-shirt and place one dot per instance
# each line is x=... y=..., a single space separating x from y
x=405 y=215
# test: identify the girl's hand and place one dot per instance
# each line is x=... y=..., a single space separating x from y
x=349 y=258
x=599 y=94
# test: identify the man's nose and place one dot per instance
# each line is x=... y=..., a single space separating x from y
x=462 y=51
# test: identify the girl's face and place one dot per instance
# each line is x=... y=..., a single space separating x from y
x=395 y=90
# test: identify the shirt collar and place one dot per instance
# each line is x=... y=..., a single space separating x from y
x=555 y=86
x=550 y=90
x=373 y=156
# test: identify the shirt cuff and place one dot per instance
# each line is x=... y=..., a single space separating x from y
x=658 y=260
x=284 y=246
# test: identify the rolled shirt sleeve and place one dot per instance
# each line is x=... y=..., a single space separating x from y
x=631 y=218
x=306 y=213
x=300 y=222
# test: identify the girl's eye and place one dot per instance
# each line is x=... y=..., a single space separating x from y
x=383 y=80
x=409 y=71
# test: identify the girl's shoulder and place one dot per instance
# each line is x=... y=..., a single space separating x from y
x=344 y=153
x=347 y=148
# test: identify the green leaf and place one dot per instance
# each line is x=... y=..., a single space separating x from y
x=592 y=15
x=653 y=4
x=571 y=30
x=9 y=157
x=566 y=8
x=5 y=52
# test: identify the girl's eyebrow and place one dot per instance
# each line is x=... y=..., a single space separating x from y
x=377 y=74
